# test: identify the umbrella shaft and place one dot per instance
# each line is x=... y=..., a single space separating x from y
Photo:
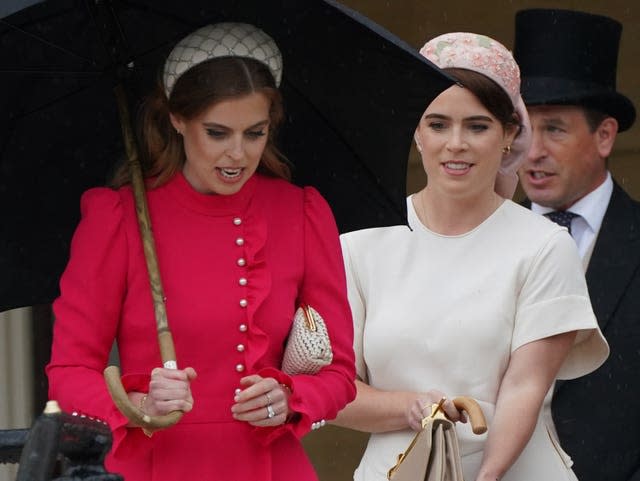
x=165 y=340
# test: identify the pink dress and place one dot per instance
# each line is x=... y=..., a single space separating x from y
x=234 y=269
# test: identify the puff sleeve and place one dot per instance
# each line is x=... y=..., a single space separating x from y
x=323 y=395
x=92 y=289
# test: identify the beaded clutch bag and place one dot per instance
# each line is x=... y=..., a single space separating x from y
x=308 y=347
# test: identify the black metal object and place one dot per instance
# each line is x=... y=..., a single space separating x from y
x=11 y=443
x=59 y=447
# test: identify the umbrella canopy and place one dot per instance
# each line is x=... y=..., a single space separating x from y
x=353 y=96
x=10 y=6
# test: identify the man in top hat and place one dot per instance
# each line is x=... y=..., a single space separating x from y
x=568 y=64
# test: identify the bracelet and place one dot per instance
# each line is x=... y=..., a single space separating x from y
x=286 y=388
x=146 y=431
x=293 y=416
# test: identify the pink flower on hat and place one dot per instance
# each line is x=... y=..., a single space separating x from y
x=478 y=53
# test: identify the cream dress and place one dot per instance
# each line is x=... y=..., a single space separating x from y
x=446 y=312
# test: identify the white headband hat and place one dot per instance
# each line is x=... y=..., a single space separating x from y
x=227 y=39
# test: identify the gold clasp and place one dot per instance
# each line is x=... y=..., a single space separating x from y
x=311 y=323
x=436 y=412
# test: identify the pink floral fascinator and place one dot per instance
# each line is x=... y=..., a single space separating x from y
x=488 y=57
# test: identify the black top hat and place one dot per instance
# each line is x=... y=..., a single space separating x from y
x=570 y=58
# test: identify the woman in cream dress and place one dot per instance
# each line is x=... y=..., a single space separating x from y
x=477 y=297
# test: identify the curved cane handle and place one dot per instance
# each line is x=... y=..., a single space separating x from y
x=126 y=407
x=473 y=409
x=167 y=351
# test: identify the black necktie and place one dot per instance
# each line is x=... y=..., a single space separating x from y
x=562 y=217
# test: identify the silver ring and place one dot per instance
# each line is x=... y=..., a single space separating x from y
x=270 y=412
x=268 y=398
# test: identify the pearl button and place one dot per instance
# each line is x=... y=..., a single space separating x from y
x=243 y=303
x=237 y=221
x=239 y=367
x=240 y=241
x=243 y=328
x=318 y=424
x=238 y=391
x=242 y=281
x=240 y=347
x=241 y=262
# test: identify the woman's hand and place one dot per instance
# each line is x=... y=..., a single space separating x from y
x=421 y=407
x=263 y=402
x=169 y=390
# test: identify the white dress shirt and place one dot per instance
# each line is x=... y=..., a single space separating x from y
x=590 y=209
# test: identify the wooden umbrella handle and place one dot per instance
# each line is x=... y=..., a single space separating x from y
x=133 y=413
x=165 y=340
x=473 y=409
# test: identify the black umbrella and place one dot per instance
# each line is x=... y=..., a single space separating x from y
x=353 y=93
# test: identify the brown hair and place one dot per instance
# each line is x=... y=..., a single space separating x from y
x=490 y=94
x=594 y=118
x=161 y=150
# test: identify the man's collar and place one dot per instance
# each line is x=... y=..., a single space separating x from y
x=591 y=207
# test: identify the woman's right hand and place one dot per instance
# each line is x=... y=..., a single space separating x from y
x=421 y=407
x=169 y=390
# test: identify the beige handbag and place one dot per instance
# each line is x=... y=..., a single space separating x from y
x=433 y=454
x=308 y=347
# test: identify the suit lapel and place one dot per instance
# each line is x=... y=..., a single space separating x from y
x=616 y=256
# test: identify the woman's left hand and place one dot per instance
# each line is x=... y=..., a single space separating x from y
x=421 y=407
x=263 y=402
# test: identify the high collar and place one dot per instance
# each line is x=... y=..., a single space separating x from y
x=210 y=204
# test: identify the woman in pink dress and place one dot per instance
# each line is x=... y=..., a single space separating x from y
x=239 y=248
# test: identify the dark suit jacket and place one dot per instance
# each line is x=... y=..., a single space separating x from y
x=598 y=416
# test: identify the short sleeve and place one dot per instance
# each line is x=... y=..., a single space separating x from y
x=554 y=299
